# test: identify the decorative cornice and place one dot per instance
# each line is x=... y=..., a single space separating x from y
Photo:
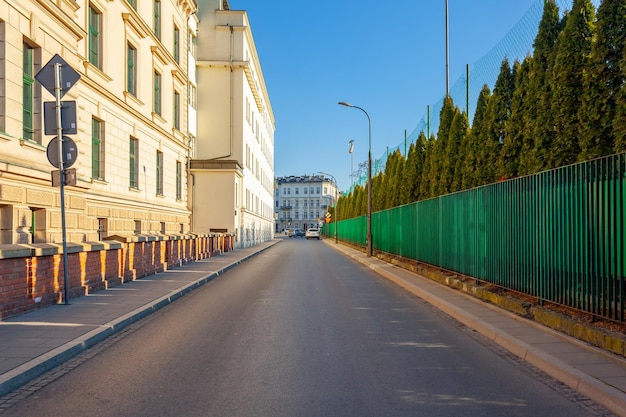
x=137 y=26
x=62 y=17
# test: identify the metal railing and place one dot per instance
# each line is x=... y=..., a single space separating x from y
x=557 y=235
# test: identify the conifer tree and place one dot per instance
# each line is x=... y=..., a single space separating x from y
x=361 y=201
x=420 y=156
x=426 y=188
x=476 y=153
x=413 y=169
x=390 y=183
x=438 y=164
x=450 y=155
x=378 y=193
x=456 y=135
x=566 y=79
x=459 y=133
x=498 y=112
x=409 y=175
x=619 y=125
x=603 y=81
x=537 y=136
x=396 y=179
x=341 y=209
x=508 y=163
x=385 y=191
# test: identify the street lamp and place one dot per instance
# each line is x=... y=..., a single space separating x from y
x=350 y=150
x=336 y=206
x=369 y=179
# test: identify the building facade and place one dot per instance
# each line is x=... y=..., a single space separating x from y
x=232 y=168
x=303 y=201
x=133 y=135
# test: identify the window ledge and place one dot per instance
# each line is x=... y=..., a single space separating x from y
x=31 y=144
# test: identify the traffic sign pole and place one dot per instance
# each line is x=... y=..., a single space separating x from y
x=58 y=94
x=50 y=77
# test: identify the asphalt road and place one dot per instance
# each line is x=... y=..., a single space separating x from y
x=300 y=331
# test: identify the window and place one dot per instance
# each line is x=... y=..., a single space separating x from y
x=159 y=173
x=97 y=149
x=134 y=163
x=192 y=96
x=157 y=93
x=179 y=180
x=133 y=3
x=131 y=69
x=176 y=110
x=157 y=19
x=95 y=40
x=137 y=226
x=28 y=92
x=176 y=44
x=193 y=44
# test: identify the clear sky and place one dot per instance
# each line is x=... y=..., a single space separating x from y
x=387 y=57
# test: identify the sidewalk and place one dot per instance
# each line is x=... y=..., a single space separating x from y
x=599 y=375
x=35 y=342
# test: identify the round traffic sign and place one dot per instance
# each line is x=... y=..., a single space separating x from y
x=69 y=154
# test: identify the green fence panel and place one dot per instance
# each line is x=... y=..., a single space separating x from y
x=557 y=235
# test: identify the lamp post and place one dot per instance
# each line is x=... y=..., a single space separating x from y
x=369 y=179
x=336 y=206
x=350 y=150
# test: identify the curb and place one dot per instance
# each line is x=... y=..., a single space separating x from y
x=603 y=394
x=17 y=377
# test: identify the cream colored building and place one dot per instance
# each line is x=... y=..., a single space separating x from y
x=134 y=122
x=233 y=157
x=303 y=201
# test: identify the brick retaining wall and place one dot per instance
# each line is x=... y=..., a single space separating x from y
x=31 y=276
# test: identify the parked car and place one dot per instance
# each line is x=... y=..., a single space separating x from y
x=313 y=233
x=295 y=232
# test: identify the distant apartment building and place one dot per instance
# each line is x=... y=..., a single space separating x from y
x=303 y=201
x=133 y=114
x=232 y=168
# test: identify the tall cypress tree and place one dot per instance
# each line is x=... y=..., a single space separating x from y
x=537 y=129
x=619 y=125
x=420 y=162
x=509 y=161
x=410 y=176
x=397 y=179
x=386 y=189
x=566 y=79
x=360 y=203
x=378 y=193
x=498 y=113
x=459 y=131
x=448 y=163
x=478 y=149
x=391 y=181
x=426 y=188
x=438 y=164
x=603 y=81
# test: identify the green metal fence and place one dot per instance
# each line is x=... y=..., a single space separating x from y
x=557 y=235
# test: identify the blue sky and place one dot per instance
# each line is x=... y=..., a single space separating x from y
x=386 y=57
